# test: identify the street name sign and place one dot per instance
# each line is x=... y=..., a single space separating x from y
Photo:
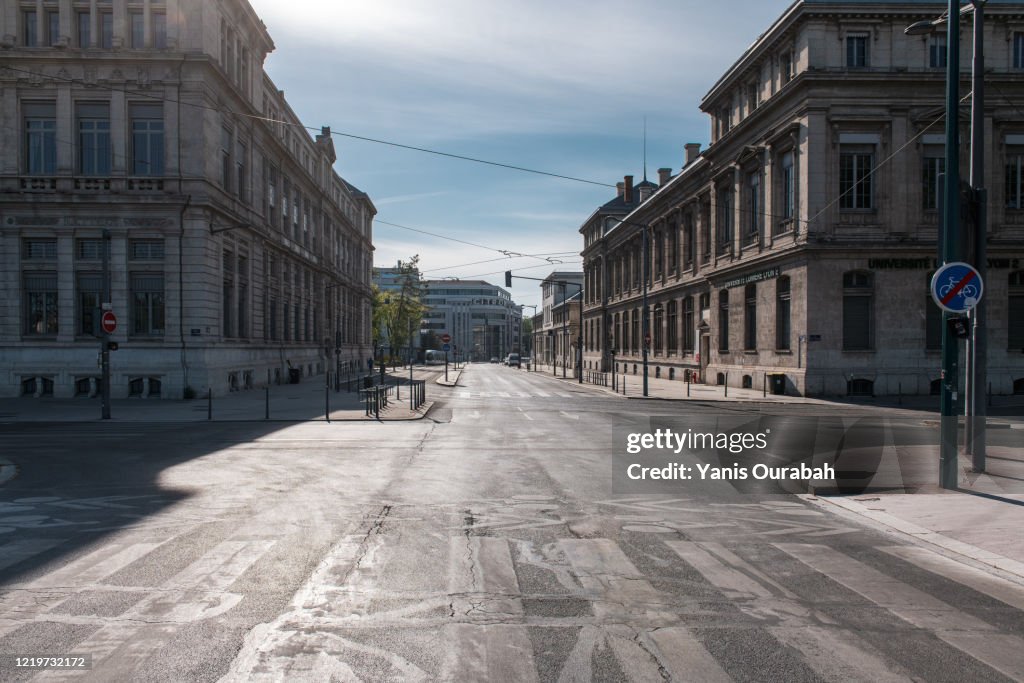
x=957 y=287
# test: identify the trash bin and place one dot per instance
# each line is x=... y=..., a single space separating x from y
x=294 y=375
x=778 y=384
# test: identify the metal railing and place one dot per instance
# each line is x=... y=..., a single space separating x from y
x=595 y=377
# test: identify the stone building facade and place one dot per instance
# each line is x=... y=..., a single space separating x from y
x=236 y=253
x=555 y=340
x=796 y=250
x=481 y=318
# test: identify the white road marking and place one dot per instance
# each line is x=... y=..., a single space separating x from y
x=978 y=639
x=1002 y=590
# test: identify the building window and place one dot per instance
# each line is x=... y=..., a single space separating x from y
x=37 y=249
x=1015 y=312
x=159 y=29
x=786 y=67
x=94 y=153
x=659 y=327
x=937 y=51
x=147 y=303
x=52 y=36
x=688 y=321
x=137 y=28
x=40 y=137
x=1015 y=181
x=673 y=326
x=934 y=164
x=659 y=253
x=858 y=311
x=1018 y=50
x=88 y=249
x=241 y=175
x=856 y=52
x=723 y=320
x=84 y=29
x=787 y=193
x=856 y=190
x=106 y=24
x=705 y=231
x=752 y=219
x=225 y=158
x=752 y=97
x=30 y=26
x=724 y=121
x=782 y=314
x=146 y=250
x=89 y=288
x=750 y=317
x=932 y=319
x=689 y=241
x=147 y=139
x=634 y=335
x=673 y=248
x=40 y=303
x=724 y=219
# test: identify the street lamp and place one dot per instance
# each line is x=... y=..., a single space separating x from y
x=645 y=322
x=977 y=356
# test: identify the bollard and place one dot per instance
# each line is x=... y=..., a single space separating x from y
x=687 y=384
x=266 y=402
x=209 y=403
x=327 y=398
x=764 y=385
x=726 y=384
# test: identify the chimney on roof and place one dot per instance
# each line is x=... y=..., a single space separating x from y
x=664 y=175
x=627 y=195
x=692 y=152
x=619 y=188
x=644 y=192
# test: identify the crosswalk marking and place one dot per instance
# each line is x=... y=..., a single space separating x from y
x=197 y=592
x=994 y=586
x=980 y=640
x=733 y=583
x=96 y=566
x=685 y=657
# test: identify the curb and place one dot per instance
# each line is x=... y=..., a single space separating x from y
x=452 y=382
x=952 y=545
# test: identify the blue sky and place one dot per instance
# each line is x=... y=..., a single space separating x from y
x=562 y=87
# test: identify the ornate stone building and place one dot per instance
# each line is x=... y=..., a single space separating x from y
x=798 y=247
x=236 y=253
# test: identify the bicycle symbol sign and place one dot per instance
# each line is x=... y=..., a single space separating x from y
x=957 y=287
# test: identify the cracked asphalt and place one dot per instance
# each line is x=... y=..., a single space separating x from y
x=482 y=543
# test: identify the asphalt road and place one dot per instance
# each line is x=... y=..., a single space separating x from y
x=482 y=543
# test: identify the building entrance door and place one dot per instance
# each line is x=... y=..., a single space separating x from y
x=705 y=355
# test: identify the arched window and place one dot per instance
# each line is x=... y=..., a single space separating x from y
x=1015 y=311
x=782 y=314
x=858 y=311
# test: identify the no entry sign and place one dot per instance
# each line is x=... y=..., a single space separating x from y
x=109 y=322
x=446 y=338
x=957 y=287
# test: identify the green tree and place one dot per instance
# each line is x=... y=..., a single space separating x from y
x=396 y=312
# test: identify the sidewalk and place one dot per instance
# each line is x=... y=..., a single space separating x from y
x=308 y=400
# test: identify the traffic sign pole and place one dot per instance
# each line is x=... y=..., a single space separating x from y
x=105 y=337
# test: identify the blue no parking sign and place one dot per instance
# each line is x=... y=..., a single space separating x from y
x=957 y=287
x=446 y=348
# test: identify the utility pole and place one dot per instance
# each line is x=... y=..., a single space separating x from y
x=948 y=466
x=646 y=314
x=976 y=409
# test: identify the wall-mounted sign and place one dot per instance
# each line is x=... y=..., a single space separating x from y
x=769 y=274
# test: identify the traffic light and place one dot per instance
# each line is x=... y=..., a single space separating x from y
x=508 y=278
x=958 y=326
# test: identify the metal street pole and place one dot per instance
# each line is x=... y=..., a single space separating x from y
x=565 y=328
x=644 y=318
x=105 y=305
x=977 y=410
x=948 y=467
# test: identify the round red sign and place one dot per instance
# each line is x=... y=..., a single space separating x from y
x=446 y=338
x=109 y=322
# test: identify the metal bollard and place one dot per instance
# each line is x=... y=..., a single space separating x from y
x=327 y=398
x=726 y=384
x=688 y=384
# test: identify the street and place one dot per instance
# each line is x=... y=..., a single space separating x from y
x=483 y=542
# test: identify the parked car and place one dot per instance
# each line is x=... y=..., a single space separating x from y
x=494 y=359
x=513 y=360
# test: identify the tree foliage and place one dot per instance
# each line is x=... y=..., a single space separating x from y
x=398 y=311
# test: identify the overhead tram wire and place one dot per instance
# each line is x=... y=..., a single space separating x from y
x=154 y=97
